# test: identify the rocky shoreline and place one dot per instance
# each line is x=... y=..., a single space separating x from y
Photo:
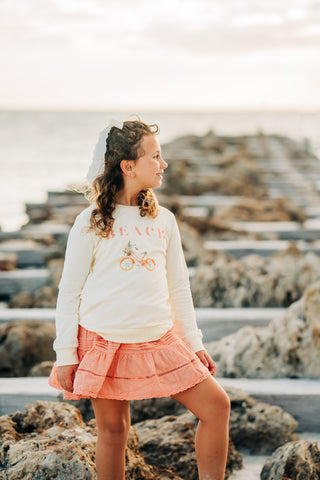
x=218 y=188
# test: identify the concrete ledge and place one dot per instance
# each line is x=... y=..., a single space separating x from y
x=16 y=281
x=299 y=397
x=215 y=323
x=264 y=248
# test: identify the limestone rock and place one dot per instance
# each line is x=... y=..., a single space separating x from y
x=42 y=369
x=287 y=347
x=45 y=297
x=55 y=265
x=261 y=210
x=8 y=261
x=23 y=344
x=169 y=441
x=258 y=426
x=191 y=243
x=254 y=281
x=50 y=440
x=21 y=300
x=153 y=408
x=294 y=460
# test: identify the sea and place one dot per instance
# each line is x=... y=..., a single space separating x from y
x=41 y=151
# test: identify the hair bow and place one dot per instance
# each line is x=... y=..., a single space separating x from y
x=96 y=167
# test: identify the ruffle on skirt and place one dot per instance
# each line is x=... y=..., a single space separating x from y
x=132 y=371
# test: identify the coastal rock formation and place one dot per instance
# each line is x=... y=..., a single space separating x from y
x=287 y=347
x=258 y=426
x=51 y=438
x=8 y=261
x=23 y=344
x=294 y=460
x=254 y=281
x=169 y=440
x=261 y=210
x=21 y=300
x=42 y=369
x=242 y=177
x=254 y=425
x=191 y=243
x=44 y=297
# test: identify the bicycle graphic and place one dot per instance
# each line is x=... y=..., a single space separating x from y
x=127 y=262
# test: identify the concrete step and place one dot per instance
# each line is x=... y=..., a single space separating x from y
x=264 y=248
x=299 y=397
x=309 y=230
x=16 y=281
x=215 y=323
x=29 y=253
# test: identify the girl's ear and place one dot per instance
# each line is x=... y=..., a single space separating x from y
x=126 y=166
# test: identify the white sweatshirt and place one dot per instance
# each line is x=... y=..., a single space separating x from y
x=132 y=286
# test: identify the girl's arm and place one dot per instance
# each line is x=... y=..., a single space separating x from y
x=180 y=293
x=77 y=264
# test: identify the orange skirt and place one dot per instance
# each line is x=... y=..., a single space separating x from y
x=132 y=371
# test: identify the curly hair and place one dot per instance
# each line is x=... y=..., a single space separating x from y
x=122 y=143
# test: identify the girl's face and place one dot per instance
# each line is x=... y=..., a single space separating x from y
x=149 y=167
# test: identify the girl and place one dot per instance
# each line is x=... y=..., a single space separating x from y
x=125 y=321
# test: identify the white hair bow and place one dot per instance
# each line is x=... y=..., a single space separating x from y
x=97 y=164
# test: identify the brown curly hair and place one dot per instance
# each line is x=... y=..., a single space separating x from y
x=122 y=143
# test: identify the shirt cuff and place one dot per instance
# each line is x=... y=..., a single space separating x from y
x=196 y=344
x=67 y=356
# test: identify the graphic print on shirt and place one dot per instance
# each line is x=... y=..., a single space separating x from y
x=132 y=258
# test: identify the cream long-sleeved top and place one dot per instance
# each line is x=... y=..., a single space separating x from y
x=132 y=286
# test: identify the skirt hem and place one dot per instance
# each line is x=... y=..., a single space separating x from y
x=89 y=395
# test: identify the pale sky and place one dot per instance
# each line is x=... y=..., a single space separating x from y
x=160 y=55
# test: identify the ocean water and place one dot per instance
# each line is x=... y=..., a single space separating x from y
x=41 y=151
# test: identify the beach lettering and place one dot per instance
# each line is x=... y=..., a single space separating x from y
x=147 y=231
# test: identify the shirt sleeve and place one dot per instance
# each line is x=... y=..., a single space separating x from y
x=180 y=297
x=77 y=264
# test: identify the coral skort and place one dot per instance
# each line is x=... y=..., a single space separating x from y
x=132 y=371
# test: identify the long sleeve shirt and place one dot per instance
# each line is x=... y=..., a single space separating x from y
x=132 y=286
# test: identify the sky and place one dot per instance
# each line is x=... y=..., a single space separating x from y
x=160 y=55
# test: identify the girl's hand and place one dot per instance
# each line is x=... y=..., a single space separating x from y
x=66 y=375
x=207 y=361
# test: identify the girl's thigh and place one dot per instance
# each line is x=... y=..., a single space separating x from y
x=112 y=415
x=205 y=400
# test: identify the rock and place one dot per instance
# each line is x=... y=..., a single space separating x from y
x=191 y=243
x=21 y=300
x=254 y=281
x=50 y=440
x=261 y=210
x=23 y=344
x=42 y=369
x=38 y=212
x=287 y=347
x=169 y=441
x=153 y=408
x=258 y=426
x=83 y=404
x=45 y=297
x=254 y=425
x=8 y=261
x=294 y=460
x=55 y=265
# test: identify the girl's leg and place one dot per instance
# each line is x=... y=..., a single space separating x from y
x=210 y=403
x=113 y=423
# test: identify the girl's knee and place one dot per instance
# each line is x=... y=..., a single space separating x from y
x=218 y=406
x=114 y=427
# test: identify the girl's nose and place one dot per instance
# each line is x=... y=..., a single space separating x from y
x=164 y=164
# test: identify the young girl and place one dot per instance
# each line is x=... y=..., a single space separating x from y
x=125 y=320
